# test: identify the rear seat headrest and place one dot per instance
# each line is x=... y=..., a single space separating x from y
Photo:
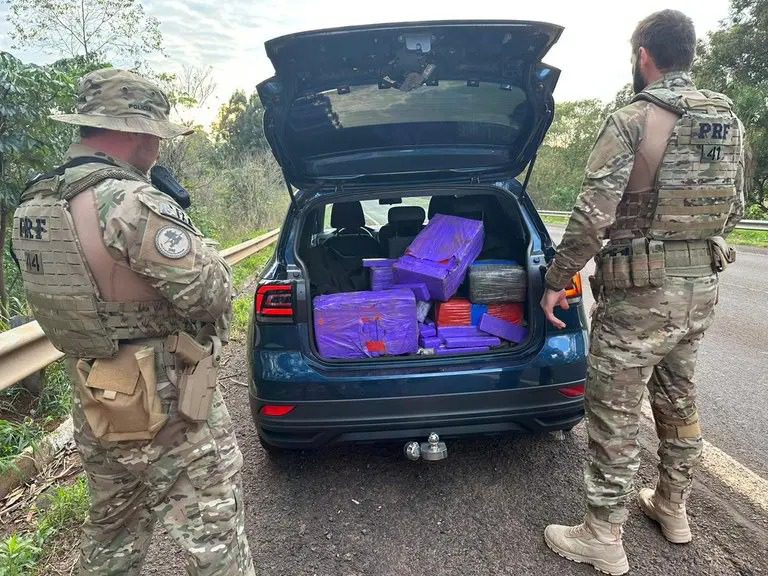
x=441 y=205
x=347 y=215
x=406 y=214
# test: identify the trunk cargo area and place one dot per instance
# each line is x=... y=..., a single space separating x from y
x=437 y=275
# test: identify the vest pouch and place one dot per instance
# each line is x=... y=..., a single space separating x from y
x=722 y=254
x=622 y=278
x=119 y=395
x=639 y=263
x=656 y=263
x=606 y=272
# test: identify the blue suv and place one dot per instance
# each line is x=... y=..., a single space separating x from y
x=377 y=129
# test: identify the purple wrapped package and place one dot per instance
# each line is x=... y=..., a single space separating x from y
x=503 y=329
x=460 y=332
x=419 y=290
x=382 y=278
x=450 y=351
x=431 y=342
x=472 y=342
x=427 y=331
x=366 y=324
x=378 y=262
x=441 y=254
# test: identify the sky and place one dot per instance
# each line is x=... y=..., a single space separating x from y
x=593 y=51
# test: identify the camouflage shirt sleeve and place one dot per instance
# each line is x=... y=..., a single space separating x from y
x=737 y=213
x=605 y=179
x=162 y=244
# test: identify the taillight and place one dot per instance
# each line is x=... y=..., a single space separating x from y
x=276 y=409
x=573 y=290
x=572 y=391
x=274 y=301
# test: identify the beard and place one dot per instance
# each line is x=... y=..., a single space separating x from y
x=638 y=82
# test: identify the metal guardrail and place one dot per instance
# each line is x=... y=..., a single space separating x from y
x=742 y=225
x=25 y=350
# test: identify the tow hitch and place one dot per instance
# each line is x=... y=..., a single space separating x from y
x=432 y=450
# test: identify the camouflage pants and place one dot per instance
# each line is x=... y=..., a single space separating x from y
x=644 y=337
x=187 y=476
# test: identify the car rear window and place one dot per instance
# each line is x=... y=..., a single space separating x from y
x=360 y=117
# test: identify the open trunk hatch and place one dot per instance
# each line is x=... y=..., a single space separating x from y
x=410 y=102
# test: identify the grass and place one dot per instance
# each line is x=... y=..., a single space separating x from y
x=14 y=438
x=737 y=237
x=249 y=267
x=62 y=509
x=50 y=408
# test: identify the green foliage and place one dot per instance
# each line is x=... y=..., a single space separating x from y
x=241 y=313
x=118 y=29
x=559 y=168
x=749 y=238
x=55 y=401
x=756 y=212
x=14 y=438
x=63 y=508
x=29 y=141
x=18 y=555
x=248 y=268
x=240 y=124
x=733 y=60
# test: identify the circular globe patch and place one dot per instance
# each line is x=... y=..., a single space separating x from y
x=173 y=242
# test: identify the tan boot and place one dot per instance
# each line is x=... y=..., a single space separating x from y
x=671 y=516
x=593 y=542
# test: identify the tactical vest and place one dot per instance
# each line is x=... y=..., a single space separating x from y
x=694 y=189
x=60 y=287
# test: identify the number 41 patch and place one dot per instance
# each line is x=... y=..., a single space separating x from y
x=713 y=153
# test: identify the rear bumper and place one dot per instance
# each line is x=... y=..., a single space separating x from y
x=318 y=423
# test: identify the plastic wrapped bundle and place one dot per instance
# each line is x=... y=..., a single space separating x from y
x=459 y=331
x=511 y=312
x=441 y=254
x=496 y=282
x=455 y=312
x=419 y=290
x=382 y=274
x=503 y=329
x=472 y=342
x=427 y=330
x=366 y=324
x=430 y=342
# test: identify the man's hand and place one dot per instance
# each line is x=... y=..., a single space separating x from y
x=551 y=299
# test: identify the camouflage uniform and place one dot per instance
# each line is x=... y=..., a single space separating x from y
x=153 y=275
x=640 y=336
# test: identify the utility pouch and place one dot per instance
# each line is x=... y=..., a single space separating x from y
x=656 y=270
x=197 y=372
x=639 y=264
x=119 y=395
x=621 y=274
x=606 y=271
x=722 y=254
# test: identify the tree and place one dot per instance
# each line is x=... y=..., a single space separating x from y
x=559 y=169
x=734 y=60
x=187 y=91
x=240 y=123
x=29 y=141
x=110 y=29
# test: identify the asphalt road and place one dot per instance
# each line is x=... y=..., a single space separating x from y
x=366 y=511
